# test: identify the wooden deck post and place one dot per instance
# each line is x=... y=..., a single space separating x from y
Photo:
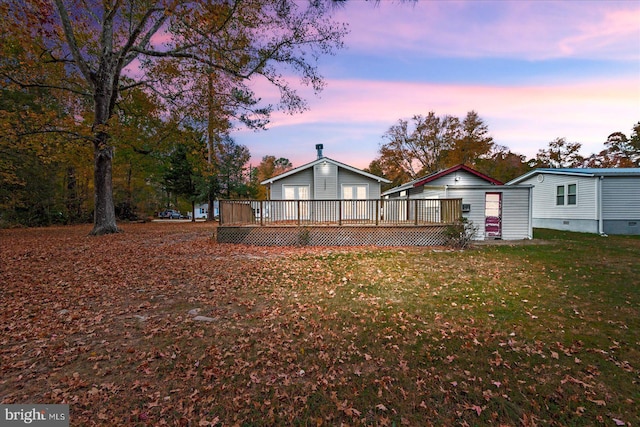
x=261 y=212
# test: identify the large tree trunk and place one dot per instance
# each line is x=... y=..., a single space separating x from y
x=104 y=219
x=210 y=140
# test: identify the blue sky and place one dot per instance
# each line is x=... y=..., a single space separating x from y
x=533 y=70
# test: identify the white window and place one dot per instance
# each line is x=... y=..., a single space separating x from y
x=560 y=195
x=294 y=210
x=354 y=205
x=354 y=192
x=567 y=195
x=572 y=194
x=296 y=192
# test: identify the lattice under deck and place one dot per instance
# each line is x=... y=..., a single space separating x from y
x=334 y=236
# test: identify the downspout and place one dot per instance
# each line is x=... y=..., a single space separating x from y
x=599 y=206
x=530 y=232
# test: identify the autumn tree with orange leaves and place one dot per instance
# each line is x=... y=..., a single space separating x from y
x=91 y=52
x=431 y=143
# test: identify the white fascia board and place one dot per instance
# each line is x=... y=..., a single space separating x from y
x=549 y=172
x=492 y=188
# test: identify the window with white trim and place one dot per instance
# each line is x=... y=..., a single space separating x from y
x=354 y=192
x=354 y=205
x=560 y=195
x=296 y=192
x=567 y=195
x=293 y=208
x=572 y=194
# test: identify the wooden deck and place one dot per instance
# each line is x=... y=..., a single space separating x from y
x=397 y=222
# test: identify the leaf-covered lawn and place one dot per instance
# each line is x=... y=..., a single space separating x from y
x=160 y=325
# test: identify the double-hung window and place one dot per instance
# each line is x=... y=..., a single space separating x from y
x=572 y=194
x=560 y=195
x=567 y=195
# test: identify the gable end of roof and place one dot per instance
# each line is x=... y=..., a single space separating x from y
x=456 y=168
x=321 y=160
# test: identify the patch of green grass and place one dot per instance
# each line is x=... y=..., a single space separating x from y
x=538 y=333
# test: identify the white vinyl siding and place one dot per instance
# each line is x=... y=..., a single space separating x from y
x=545 y=197
x=621 y=198
x=515 y=214
x=325 y=181
x=515 y=209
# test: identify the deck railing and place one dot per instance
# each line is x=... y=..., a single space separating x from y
x=405 y=212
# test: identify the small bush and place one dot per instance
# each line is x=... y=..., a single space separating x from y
x=460 y=233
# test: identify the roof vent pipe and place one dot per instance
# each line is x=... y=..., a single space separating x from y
x=319 y=148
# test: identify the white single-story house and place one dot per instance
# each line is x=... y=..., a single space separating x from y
x=498 y=211
x=324 y=179
x=604 y=201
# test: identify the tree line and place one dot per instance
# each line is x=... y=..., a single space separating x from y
x=430 y=143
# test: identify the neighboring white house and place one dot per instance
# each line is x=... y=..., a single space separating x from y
x=604 y=201
x=499 y=212
x=202 y=210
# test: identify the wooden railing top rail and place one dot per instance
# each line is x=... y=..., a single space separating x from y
x=340 y=212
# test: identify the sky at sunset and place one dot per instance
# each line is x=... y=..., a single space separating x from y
x=533 y=70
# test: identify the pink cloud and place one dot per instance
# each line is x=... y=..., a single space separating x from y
x=614 y=32
x=524 y=118
x=527 y=30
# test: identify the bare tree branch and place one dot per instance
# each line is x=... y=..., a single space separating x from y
x=73 y=44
